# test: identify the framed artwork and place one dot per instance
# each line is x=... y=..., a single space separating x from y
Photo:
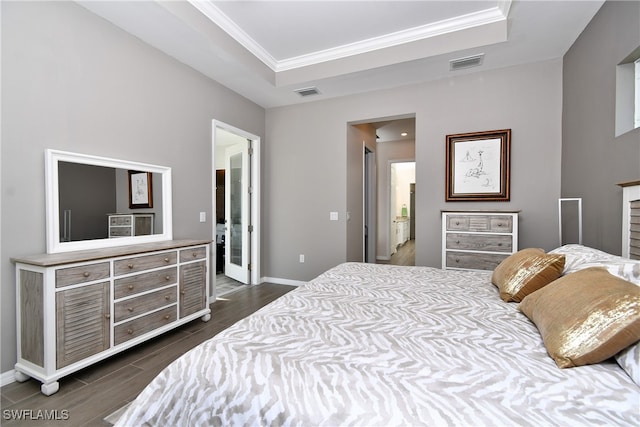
x=478 y=166
x=140 y=190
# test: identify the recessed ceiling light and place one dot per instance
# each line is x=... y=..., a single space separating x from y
x=403 y=134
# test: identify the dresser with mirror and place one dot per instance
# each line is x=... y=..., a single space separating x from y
x=92 y=294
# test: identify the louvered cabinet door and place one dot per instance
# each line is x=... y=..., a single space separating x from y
x=193 y=296
x=82 y=322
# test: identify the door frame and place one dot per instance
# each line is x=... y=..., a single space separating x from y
x=255 y=197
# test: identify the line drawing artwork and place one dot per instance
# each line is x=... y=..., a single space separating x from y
x=477 y=166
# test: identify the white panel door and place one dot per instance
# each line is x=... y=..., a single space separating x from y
x=237 y=212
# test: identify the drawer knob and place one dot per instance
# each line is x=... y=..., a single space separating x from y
x=167 y=297
x=107 y=316
x=167 y=317
x=194 y=254
x=457 y=242
x=457 y=260
x=166 y=259
x=86 y=274
x=457 y=222
x=167 y=277
x=499 y=244
x=130 y=266
x=130 y=309
x=181 y=292
x=130 y=331
x=130 y=287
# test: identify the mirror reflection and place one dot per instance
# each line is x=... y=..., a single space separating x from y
x=95 y=202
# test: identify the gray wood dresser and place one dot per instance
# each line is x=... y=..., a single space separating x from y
x=478 y=240
x=77 y=308
x=121 y=225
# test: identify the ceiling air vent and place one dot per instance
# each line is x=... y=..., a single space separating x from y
x=468 y=62
x=307 y=91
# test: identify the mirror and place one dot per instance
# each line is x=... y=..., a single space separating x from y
x=96 y=202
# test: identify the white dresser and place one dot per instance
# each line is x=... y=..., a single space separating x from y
x=126 y=225
x=478 y=240
x=77 y=308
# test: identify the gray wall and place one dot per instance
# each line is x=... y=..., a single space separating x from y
x=308 y=162
x=72 y=81
x=593 y=159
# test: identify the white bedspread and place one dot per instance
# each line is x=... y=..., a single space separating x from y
x=379 y=345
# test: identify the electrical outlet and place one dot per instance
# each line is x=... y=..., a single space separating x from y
x=203 y=217
x=301 y=258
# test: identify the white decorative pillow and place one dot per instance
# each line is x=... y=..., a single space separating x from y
x=629 y=360
x=576 y=255
x=579 y=257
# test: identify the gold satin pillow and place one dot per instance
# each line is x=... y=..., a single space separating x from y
x=585 y=317
x=525 y=272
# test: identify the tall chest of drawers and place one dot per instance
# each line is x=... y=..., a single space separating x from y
x=75 y=309
x=478 y=240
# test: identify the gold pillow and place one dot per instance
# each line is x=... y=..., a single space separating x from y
x=585 y=317
x=525 y=272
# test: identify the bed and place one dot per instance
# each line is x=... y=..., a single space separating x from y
x=382 y=345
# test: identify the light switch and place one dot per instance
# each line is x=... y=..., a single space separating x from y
x=203 y=217
x=333 y=216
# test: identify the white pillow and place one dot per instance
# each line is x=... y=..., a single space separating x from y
x=579 y=257
x=629 y=360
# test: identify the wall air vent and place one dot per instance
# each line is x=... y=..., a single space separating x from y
x=307 y=91
x=467 y=62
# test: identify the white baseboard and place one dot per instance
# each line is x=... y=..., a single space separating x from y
x=279 y=281
x=383 y=258
x=7 y=378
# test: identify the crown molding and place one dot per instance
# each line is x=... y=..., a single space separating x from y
x=446 y=26
x=212 y=12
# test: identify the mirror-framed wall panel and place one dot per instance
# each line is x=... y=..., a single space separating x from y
x=58 y=236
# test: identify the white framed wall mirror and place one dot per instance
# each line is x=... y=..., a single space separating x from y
x=96 y=202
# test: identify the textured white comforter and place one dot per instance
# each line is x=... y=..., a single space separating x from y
x=379 y=345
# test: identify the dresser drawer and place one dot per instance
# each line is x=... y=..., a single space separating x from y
x=458 y=223
x=474 y=260
x=119 y=220
x=142 y=325
x=131 y=285
x=480 y=223
x=144 y=303
x=500 y=224
x=192 y=254
x=479 y=242
x=147 y=262
x=82 y=274
x=120 y=231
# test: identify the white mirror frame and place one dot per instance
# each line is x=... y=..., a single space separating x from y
x=54 y=245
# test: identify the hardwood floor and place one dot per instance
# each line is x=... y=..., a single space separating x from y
x=86 y=397
x=405 y=255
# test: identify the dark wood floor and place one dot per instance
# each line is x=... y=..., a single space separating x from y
x=405 y=255
x=89 y=395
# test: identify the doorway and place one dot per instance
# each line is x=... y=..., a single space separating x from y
x=402 y=184
x=236 y=203
x=395 y=145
